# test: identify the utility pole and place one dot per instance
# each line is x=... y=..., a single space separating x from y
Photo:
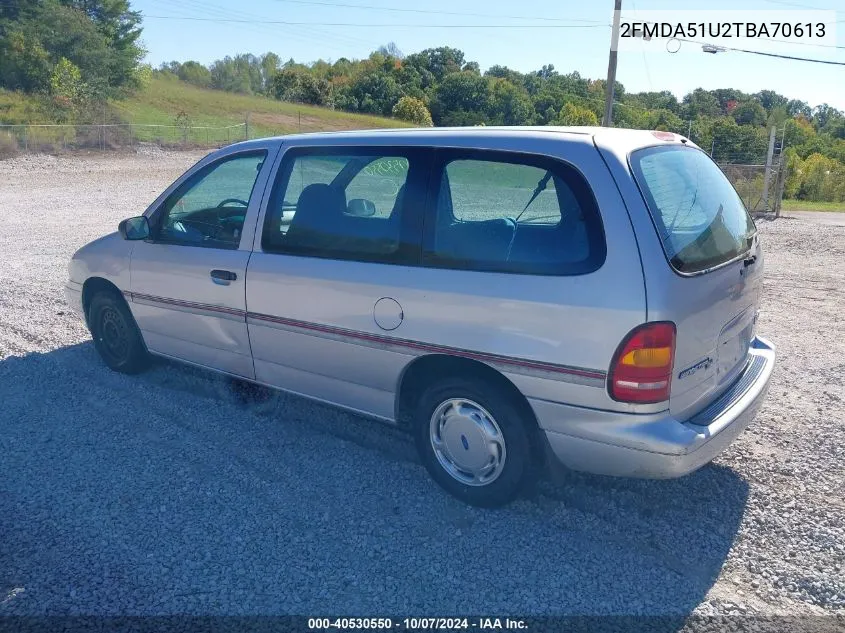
x=611 y=66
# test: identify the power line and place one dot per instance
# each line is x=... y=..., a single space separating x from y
x=382 y=25
x=819 y=45
x=750 y=52
x=306 y=33
x=433 y=12
x=260 y=30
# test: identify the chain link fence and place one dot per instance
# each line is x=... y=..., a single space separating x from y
x=761 y=192
x=110 y=136
x=760 y=188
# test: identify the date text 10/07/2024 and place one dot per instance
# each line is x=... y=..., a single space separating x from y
x=417 y=624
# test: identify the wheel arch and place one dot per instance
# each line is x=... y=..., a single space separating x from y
x=95 y=285
x=425 y=370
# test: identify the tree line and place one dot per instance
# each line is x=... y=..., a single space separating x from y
x=439 y=86
x=78 y=54
x=74 y=53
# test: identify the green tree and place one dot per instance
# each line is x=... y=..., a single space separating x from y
x=462 y=98
x=572 y=114
x=735 y=143
x=195 y=73
x=68 y=91
x=439 y=62
x=299 y=86
x=66 y=81
x=836 y=128
x=376 y=92
x=700 y=102
x=794 y=171
x=241 y=73
x=270 y=63
x=503 y=72
x=413 y=110
x=795 y=107
x=749 y=113
x=24 y=62
x=667 y=121
x=770 y=100
x=822 y=178
x=663 y=100
x=728 y=96
x=823 y=114
x=99 y=37
x=509 y=104
x=798 y=132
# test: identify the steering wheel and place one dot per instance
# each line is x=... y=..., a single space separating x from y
x=220 y=219
x=238 y=200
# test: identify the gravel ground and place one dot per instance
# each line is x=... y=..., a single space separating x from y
x=161 y=494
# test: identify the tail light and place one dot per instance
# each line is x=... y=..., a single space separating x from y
x=642 y=366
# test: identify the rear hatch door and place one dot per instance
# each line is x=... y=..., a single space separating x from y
x=709 y=284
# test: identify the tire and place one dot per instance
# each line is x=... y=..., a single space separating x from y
x=116 y=335
x=456 y=415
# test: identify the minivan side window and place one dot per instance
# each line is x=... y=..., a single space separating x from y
x=382 y=182
x=699 y=216
x=341 y=203
x=513 y=213
x=209 y=209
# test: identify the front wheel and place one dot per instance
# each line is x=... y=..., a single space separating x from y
x=116 y=336
x=474 y=441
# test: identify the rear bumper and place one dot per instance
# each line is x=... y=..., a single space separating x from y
x=655 y=445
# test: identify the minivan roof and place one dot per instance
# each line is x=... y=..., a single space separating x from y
x=609 y=136
x=618 y=141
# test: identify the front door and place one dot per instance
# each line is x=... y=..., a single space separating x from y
x=188 y=280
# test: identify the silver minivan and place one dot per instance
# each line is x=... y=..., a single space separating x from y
x=510 y=296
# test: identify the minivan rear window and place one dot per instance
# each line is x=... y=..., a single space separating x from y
x=699 y=216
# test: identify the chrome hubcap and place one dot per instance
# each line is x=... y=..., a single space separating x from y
x=467 y=442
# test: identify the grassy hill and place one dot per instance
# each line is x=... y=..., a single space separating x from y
x=164 y=99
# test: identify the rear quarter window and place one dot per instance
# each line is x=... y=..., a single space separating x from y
x=700 y=219
x=498 y=211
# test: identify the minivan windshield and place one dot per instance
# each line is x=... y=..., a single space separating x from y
x=699 y=216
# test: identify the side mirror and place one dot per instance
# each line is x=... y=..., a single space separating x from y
x=361 y=208
x=134 y=228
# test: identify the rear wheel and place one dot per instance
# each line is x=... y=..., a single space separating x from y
x=116 y=335
x=475 y=441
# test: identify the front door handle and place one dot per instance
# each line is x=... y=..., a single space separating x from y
x=223 y=275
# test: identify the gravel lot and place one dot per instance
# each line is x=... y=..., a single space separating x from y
x=161 y=494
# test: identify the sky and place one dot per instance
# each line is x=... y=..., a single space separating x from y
x=524 y=35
